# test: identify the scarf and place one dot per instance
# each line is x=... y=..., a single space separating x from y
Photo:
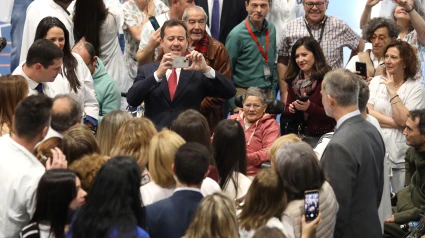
x=202 y=46
x=303 y=86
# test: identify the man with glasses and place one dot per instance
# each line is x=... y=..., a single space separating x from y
x=107 y=91
x=331 y=33
x=252 y=51
x=380 y=32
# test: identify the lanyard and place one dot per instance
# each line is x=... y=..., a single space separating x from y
x=373 y=65
x=321 y=32
x=265 y=54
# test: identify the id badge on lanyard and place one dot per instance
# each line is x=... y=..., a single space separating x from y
x=267 y=71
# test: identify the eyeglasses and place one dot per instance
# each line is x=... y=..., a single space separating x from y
x=380 y=38
x=88 y=63
x=255 y=106
x=319 y=5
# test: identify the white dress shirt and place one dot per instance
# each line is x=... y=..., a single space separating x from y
x=210 y=74
x=346 y=117
x=49 y=89
x=20 y=173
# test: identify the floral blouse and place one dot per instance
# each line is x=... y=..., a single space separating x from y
x=133 y=16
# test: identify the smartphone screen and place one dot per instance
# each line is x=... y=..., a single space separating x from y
x=361 y=67
x=311 y=204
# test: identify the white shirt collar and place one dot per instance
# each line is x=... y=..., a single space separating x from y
x=345 y=117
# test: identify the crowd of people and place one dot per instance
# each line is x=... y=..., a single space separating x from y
x=173 y=131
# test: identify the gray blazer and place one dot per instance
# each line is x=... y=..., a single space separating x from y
x=353 y=165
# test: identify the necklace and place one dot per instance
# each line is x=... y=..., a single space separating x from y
x=397 y=86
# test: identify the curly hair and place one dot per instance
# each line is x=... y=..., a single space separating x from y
x=133 y=140
x=409 y=57
x=372 y=25
x=87 y=168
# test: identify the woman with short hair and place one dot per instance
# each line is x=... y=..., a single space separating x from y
x=261 y=129
x=299 y=170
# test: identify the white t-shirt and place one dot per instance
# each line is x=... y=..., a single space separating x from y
x=411 y=94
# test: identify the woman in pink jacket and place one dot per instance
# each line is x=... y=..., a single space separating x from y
x=261 y=129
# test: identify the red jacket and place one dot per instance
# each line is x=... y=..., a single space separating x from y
x=259 y=138
x=318 y=123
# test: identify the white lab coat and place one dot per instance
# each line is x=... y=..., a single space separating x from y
x=38 y=10
x=20 y=173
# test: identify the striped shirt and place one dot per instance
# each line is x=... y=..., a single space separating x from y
x=336 y=35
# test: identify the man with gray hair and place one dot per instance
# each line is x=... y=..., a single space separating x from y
x=380 y=32
x=354 y=158
x=215 y=55
x=66 y=112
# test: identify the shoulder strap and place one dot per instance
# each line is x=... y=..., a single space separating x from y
x=154 y=22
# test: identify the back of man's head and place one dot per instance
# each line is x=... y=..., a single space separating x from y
x=32 y=115
x=44 y=52
x=421 y=122
x=66 y=112
x=363 y=95
x=343 y=86
x=191 y=163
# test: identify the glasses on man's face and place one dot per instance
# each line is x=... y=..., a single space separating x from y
x=88 y=63
x=319 y=5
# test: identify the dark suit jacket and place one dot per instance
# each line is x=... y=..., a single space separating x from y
x=353 y=164
x=232 y=13
x=172 y=216
x=191 y=89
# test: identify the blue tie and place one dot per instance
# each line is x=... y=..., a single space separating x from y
x=215 y=20
x=39 y=88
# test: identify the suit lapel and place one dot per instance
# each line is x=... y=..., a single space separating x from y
x=163 y=85
x=185 y=77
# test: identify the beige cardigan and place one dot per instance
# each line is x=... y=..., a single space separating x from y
x=328 y=206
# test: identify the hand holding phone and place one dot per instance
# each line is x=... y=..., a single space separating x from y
x=311 y=204
x=180 y=62
x=362 y=69
x=303 y=98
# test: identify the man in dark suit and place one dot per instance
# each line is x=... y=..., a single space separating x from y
x=230 y=14
x=167 y=90
x=172 y=216
x=354 y=158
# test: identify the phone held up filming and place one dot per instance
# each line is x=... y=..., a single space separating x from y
x=311 y=204
x=180 y=62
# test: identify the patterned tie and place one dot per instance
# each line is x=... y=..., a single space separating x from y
x=172 y=83
x=215 y=20
x=39 y=88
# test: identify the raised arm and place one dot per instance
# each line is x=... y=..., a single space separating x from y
x=417 y=21
x=367 y=12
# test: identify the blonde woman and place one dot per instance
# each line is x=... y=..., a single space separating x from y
x=133 y=140
x=162 y=148
x=264 y=204
x=108 y=129
x=278 y=144
x=221 y=221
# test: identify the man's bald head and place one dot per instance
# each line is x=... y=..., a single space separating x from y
x=66 y=112
x=87 y=53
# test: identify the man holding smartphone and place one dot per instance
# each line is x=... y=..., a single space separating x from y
x=167 y=89
x=380 y=32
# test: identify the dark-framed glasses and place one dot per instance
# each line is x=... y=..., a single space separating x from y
x=319 y=5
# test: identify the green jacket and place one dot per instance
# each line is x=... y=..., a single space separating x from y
x=411 y=199
x=107 y=92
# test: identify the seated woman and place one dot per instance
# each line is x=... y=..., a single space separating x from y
x=108 y=129
x=392 y=96
x=261 y=129
x=162 y=148
x=220 y=222
x=299 y=170
x=304 y=112
x=13 y=88
x=133 y=140
x=59 y=192
x=230 y=156
x=114 y=207
x=264 y=204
